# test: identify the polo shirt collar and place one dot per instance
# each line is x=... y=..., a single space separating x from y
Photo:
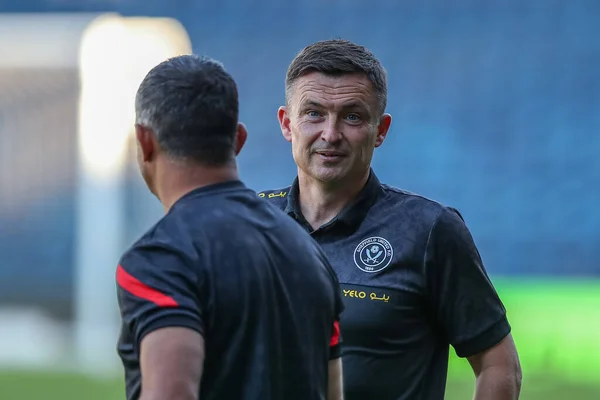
x=352 y=215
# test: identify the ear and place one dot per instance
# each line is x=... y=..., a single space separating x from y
x=240 y=137
x=147 y=143
x=382 y=129
x=284 y=123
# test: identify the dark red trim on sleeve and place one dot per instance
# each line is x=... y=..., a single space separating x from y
x=335 y=337
x=132 y=285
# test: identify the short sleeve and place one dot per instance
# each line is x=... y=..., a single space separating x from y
x=157 y=289
x=464 y=302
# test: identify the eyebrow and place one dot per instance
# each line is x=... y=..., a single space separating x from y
x=312 y=103
x=355 y=104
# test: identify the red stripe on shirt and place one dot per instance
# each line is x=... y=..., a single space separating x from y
x=132 y=285
x=335 y=337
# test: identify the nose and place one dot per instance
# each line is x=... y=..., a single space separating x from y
x=331 y=133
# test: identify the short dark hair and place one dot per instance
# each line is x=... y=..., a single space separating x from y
x=191 y=104
x=338 y=57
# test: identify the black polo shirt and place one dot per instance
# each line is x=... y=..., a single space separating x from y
x=249 y=280
x=413 y=284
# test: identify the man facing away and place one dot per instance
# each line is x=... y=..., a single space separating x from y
x=413 y=281
x=225 y=297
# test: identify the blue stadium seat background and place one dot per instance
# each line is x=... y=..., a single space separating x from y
x=495 y=107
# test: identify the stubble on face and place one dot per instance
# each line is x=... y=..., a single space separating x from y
x=333 y=126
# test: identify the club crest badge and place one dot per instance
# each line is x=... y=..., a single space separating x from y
x=373 y=254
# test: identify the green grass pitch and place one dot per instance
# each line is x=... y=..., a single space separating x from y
x=556 y=326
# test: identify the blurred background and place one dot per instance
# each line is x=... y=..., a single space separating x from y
x=496 y=112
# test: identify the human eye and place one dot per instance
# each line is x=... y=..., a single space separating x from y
x=313 y=114
x=353 y=117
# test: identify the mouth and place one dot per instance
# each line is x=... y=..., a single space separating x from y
x=330 y=156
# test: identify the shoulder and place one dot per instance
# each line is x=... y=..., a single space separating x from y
x=277 y=197
x=404 y=204
x=163 y=248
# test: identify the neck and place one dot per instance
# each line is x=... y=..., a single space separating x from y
x=176 y=180
x=320 y=202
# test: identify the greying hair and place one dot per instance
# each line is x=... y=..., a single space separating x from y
x=191 y=104
x=338 y=57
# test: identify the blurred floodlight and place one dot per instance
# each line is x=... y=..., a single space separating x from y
x=115 y=55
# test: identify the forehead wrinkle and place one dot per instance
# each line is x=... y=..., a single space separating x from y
x=339 y=87
x=352 y=104
x=329 y=82
x=316 y=93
